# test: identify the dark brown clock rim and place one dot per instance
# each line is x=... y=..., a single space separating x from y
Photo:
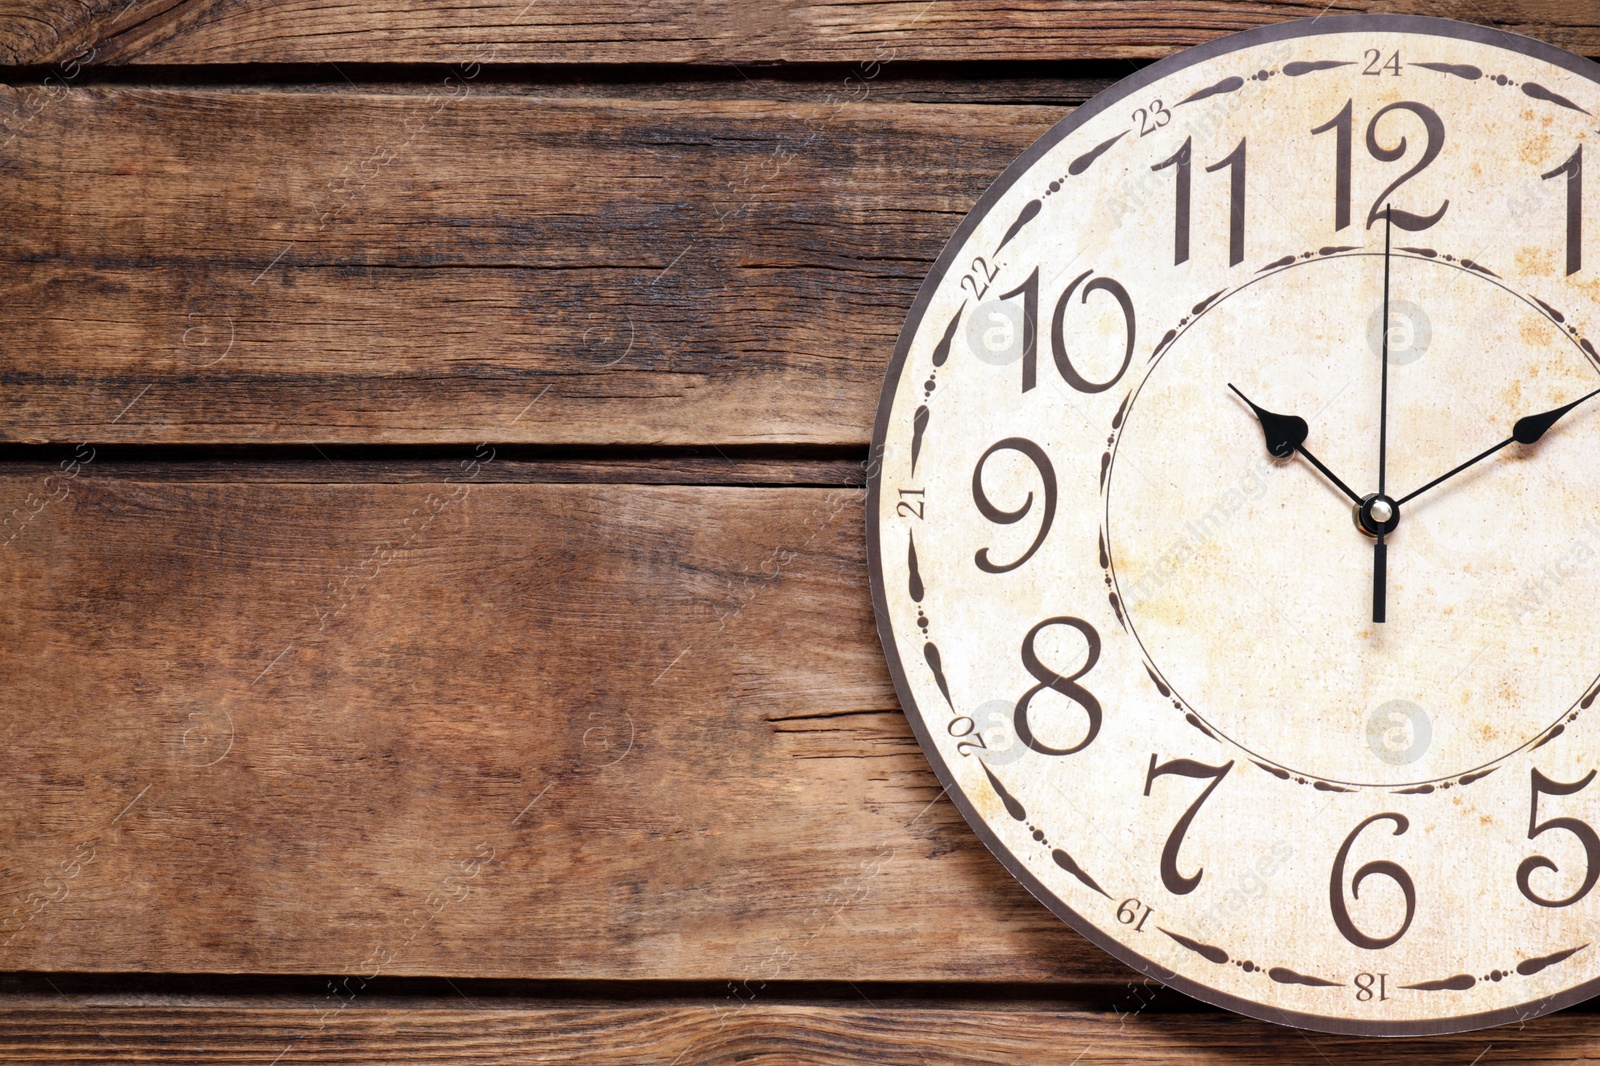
x=1417 y=24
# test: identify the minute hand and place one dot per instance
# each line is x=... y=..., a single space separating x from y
x=1526 y=431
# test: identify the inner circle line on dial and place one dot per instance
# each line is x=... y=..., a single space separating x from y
x=1538 y=737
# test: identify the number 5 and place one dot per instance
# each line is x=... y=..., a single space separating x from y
x=1586 y=836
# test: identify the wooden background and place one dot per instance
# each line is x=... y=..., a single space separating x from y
x=434 y=622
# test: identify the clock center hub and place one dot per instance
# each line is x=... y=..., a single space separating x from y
x=1377 y=514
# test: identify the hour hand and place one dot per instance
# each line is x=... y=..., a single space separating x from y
x=1285 y=435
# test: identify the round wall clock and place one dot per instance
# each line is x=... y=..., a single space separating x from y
x=1235 y=523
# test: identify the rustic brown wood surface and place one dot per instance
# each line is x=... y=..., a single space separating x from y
x=284 y=267
x=299 y=728
x=734 y=1032
x=589 y=721
x=687 y=31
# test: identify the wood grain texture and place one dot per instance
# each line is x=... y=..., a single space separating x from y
x=495 y=730
x=194 y=267
x=693 y=31
x=337 y=716
x=730 y=1032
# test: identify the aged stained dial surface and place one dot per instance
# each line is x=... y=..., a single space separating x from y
x=1235 y=523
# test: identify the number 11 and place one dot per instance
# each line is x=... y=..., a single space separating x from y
x=1234 y=161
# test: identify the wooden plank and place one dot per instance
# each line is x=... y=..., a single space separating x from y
x=212 y=267
x=474 y=730
x=691 y=31
x=734 y=1032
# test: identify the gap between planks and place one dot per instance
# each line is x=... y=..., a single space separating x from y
x=768 y=467
x=35 y=990
x=1053 y=82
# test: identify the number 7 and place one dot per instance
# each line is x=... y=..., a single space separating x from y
x=1176 y=883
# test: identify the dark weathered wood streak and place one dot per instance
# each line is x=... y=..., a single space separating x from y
x=691 y=31
x=733 y=1031
x=386 y=678
x=193 y=267
x=335 y=466
x=1036 y=81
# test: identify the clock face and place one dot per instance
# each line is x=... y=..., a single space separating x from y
x=1163 y=437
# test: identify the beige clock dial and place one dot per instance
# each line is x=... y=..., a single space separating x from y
x=1235 y=523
